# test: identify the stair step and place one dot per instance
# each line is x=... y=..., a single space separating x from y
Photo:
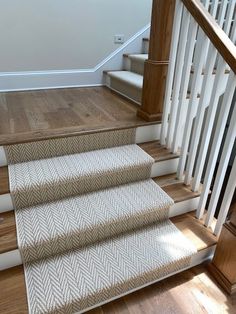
x=154 y=149
x=81 y=279
x=68 y=145
x=173 y=187
x=51 y=179
x=13 y=287
x=141 y=57
x=127 y=83
x=136 y=62
x=83 y=220
x=128 y=77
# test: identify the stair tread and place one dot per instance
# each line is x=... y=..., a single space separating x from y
x=153 y=148
x=108 y=269
x=67 y=224
x=157 y=151
x=173 y=187
x=137 y=56
x=128 y=77
x=13 y=287
x=55 y=178
x=4 y=180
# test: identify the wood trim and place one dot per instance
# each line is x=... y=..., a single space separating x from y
x=4 y=181
x=221 y=279
x=156 y=67
x=223 y=266
x=219 y=39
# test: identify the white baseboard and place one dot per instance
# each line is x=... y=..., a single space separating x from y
x=29 y=80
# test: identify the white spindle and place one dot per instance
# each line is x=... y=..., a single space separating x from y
x=222 y=12
x=208 y=126
x=229 y=16
x=171 y=69
x=214 y=7
x=184 y=86
x=233 y=32
x=203 y=103
x=228 y=195
x=196 y=86
x=178 y=71
x=226 y=153
x=217 y=140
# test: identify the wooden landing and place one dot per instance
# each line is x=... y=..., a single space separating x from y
x=35 y=115
x=12 y=284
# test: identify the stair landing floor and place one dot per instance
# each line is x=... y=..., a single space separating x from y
x=31 y=115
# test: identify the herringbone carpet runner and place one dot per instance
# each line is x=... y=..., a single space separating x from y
x=91 y=224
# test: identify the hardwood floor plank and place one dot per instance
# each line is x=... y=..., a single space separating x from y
x=35 y=115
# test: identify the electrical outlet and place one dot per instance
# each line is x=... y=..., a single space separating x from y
x=119 y=39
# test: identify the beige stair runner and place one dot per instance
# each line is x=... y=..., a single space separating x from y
x=91 y=224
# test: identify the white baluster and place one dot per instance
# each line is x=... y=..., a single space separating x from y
x=178 y=71
x=171 y=69
x=184 y=85
x=214 y=7
x=208 y=126
x=229 y=16
x=216 y=144
x=197 y=80
x=222 y=12
x=228 y=195
x=226 y=153
x=203 y=103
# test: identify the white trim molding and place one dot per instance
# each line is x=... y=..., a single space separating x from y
x=29 y=80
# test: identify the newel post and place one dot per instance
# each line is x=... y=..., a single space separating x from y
x=156 y=67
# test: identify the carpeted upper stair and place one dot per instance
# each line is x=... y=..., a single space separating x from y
x=45 y=180
x=91 y=225
x=82 y=220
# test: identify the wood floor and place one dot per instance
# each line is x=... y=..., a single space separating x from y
x=192 y=291
x=33 y=115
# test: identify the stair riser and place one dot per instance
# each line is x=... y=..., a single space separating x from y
x=143 y=134
x=127 y=90
x=158 y=169
x=133 y=65
x=137 y=67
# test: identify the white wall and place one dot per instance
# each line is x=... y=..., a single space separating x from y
x=41 y=35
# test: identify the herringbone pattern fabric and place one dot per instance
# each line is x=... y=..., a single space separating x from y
x=80 y=279
x=91 y=225
x=68 y=145
x=83 y=220
x=46 y=180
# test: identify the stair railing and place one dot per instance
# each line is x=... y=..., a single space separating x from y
x=200 y=99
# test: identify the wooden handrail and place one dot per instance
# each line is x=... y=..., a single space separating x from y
x=214 y=32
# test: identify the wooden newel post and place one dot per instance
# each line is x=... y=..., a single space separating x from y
x=155 y=69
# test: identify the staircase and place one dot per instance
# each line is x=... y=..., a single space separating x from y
x=129 y=82
x=89 y=219
x=93 y=216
